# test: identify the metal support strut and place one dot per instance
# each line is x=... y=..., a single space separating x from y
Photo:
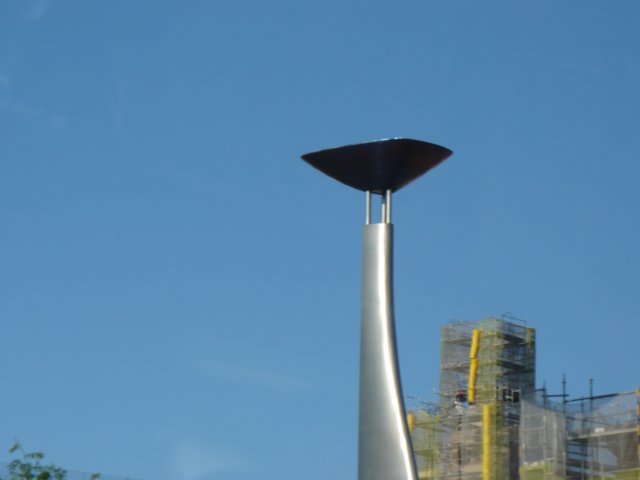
x=385 y=207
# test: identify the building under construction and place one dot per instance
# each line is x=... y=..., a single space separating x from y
x=491 y=423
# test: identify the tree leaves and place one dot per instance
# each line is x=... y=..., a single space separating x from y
x=16 y=446
x=29 y=467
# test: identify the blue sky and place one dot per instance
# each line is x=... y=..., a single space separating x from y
x=180 y=292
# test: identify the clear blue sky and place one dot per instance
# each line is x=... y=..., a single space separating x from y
x=179 y=292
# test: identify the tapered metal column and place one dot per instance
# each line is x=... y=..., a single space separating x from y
x=380 y=167
x=384 y=445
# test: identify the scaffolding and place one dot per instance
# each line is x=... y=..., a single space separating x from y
x=485 y=366
x=590 y=438
x=425 y=429
x=491 y=424
x=501 y=363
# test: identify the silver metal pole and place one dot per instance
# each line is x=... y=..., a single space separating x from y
x=384 y=208
x=387 y=195
x=384 y=445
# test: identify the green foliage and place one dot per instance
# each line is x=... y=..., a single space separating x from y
x=31 y=467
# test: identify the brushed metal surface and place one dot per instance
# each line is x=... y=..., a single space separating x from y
x=384 y=445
